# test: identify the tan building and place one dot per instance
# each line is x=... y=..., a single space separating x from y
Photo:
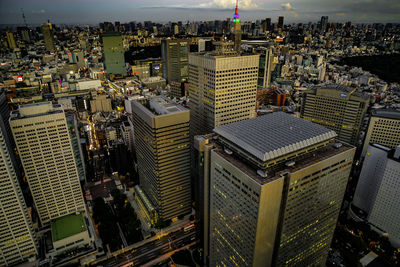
x=100 y=103
x=11 y=39
x=272 y=189
x=338 y=108
x=48 y=37
x=384 y=129
x=161 y=129
x=222 y=89
x=17 y=238
x=44 y=144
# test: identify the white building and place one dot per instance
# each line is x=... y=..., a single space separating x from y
x=378 y=190
x=17 y=237
x=41 y=134
x=222 y=89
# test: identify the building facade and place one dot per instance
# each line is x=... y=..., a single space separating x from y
x=17 y=238
x=378 y=189
x=383 y=129
x=338 y=108
x=161 y=130
x=48 y=37
x=174 y=55
x=114 y=59
x=44 y=144
x=222 y=89
x=274 y=188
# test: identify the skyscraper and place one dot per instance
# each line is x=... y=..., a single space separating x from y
x=114 y=59
x=174 y=54
x=47 y=32
x=338 y=108
x=17 y=238
x=324 y=23
x=383 y=129
x=161 y=130
x=378 y=190
x=268 y=24
x=222 y=88
x=275 y=189
x=237 y=30
x=11 y=39
x=265 y=67
x=44 y=145
x=280 y=22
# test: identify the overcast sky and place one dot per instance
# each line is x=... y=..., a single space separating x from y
x=95 y=11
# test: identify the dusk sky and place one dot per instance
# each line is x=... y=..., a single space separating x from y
x=95 y=11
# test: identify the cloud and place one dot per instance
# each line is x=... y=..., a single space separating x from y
x=39 y=11
x=287 y=6
x=244 y=4
x=340 y=14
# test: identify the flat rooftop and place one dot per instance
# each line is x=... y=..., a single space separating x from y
x=342 y=88
x=35 y=109
x=275 y=173
x=67 y=226
x=162 y=106
x=274 y=135
x=386 y=113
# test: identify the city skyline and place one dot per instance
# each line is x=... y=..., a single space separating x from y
x=93 y=11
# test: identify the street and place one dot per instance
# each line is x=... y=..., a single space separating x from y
x=153 y=249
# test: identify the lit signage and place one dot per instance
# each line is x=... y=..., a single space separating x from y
x=19 y=79
x=157 y=67
x=343 y=95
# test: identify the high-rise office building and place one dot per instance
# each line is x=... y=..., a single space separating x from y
x=268 y=24
x=47 y=32
x=114 y=59
x=324 y=23
x=383 y=129
x=265 y=68
x=378 y=190
x=161 y=129
x=72 y=124
x=272 y=191
x=11 y=39
x=222 y=89
x=338 y=108
x=17 y=237
x=237 y=29
x=280 y=22
x=44 y=144
x=174 y=53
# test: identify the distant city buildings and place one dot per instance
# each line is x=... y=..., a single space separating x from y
x=47 y=31
x=114 y=59
x=378 y=189
x=272 y=191
x=222 y=89
x=161 y=130
x=174 y=53
x=338 y=108
x=44 y=145
x=383 y=129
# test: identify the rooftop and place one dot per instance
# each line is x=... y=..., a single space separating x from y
x=67 y=226
x=274 y=135
x=35 y=109
x=387 y=113
x=342 y=88
x=162 y=106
